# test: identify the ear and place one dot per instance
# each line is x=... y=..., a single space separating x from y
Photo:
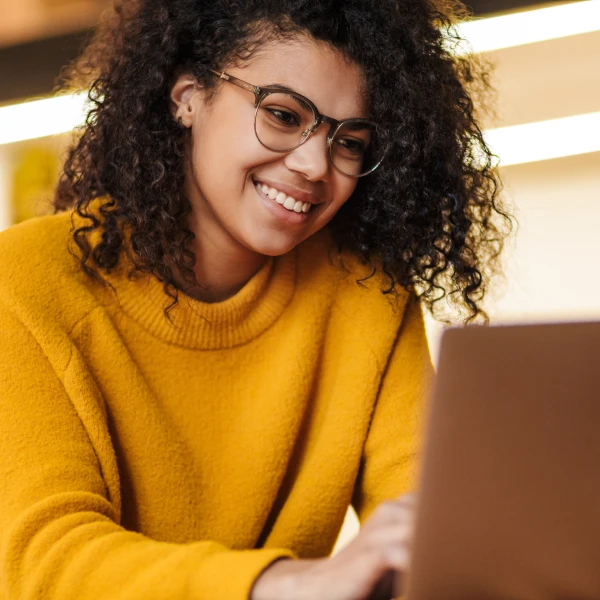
x=185 y=99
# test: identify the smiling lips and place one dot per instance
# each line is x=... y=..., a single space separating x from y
x=287 y=202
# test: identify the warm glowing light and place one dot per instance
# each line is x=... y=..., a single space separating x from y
x=514 y=145
x=517 y=29
x=40 y=118
x=61 y=114
x=544 y=140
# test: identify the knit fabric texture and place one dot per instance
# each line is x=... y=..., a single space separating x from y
x=142 y=458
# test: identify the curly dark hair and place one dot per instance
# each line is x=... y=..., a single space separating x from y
x=430 y=218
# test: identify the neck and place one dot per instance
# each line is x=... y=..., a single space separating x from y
x=220 y=276
x=223 y=266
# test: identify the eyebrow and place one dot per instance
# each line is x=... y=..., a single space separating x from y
x=286 y=88
x=283 y=87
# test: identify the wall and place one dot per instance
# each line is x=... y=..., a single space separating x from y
x=553 y=266
x=25 y=20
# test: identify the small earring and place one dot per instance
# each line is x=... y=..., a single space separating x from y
x=180 y=121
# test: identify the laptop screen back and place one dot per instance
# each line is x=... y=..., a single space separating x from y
x=509 y=504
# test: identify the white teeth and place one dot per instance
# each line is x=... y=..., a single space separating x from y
x=286 y=201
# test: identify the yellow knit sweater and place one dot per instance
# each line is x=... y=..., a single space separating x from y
x=144 y=460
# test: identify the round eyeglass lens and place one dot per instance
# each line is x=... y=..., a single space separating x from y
x=357 y=147
x=283 y=120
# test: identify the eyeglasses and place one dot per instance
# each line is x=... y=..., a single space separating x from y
x=284 y=120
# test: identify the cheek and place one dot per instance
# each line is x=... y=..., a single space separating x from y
x=344 y=189
x=222 y=159
x=228 y=155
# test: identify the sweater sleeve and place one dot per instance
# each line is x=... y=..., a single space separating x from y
x=391 y=452
x=59 y=535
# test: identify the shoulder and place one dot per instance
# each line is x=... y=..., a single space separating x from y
x=353 y=290
x=38 y=274
x=344 y=275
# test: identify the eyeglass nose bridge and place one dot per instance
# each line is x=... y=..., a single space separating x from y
x=308 y=132
x=317 y=123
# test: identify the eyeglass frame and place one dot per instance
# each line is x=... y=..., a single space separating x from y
x=260 y=93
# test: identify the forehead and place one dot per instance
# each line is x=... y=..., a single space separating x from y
x=313 y=69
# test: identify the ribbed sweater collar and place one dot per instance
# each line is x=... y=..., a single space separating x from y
x=210 y=326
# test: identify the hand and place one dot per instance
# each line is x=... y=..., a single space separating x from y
x=360 y=571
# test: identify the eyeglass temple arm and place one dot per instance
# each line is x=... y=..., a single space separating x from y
x=243 y=84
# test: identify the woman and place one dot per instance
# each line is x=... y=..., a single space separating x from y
x=233 y=351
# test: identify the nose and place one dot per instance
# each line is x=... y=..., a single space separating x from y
x=311 y=158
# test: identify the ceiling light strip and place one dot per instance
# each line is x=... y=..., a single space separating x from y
x=41 y=118
x=517 y=144
x=61 y=114
x=518 y=29
x=544 y=140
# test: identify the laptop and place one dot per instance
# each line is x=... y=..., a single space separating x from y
x=509 y=499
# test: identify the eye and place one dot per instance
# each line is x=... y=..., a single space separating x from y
x=284 y=117
x=352 y=145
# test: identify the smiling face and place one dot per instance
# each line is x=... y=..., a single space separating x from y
x=244 y=194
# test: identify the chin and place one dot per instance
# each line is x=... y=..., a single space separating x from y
x=271 y=247
x=271 y=250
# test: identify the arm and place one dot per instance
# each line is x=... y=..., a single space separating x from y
x=391 y=452
x=362 y=570
x=59 y=535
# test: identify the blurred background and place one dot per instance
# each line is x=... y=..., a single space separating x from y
x=548 y=71
x=546 y=131
x=547 y=68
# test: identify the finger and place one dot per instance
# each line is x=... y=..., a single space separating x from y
x=409 y=499
x=396 y=557
x=396 y=535
x=392 y=511
x=383 y=542
x=365 y=567
x=381 y=558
